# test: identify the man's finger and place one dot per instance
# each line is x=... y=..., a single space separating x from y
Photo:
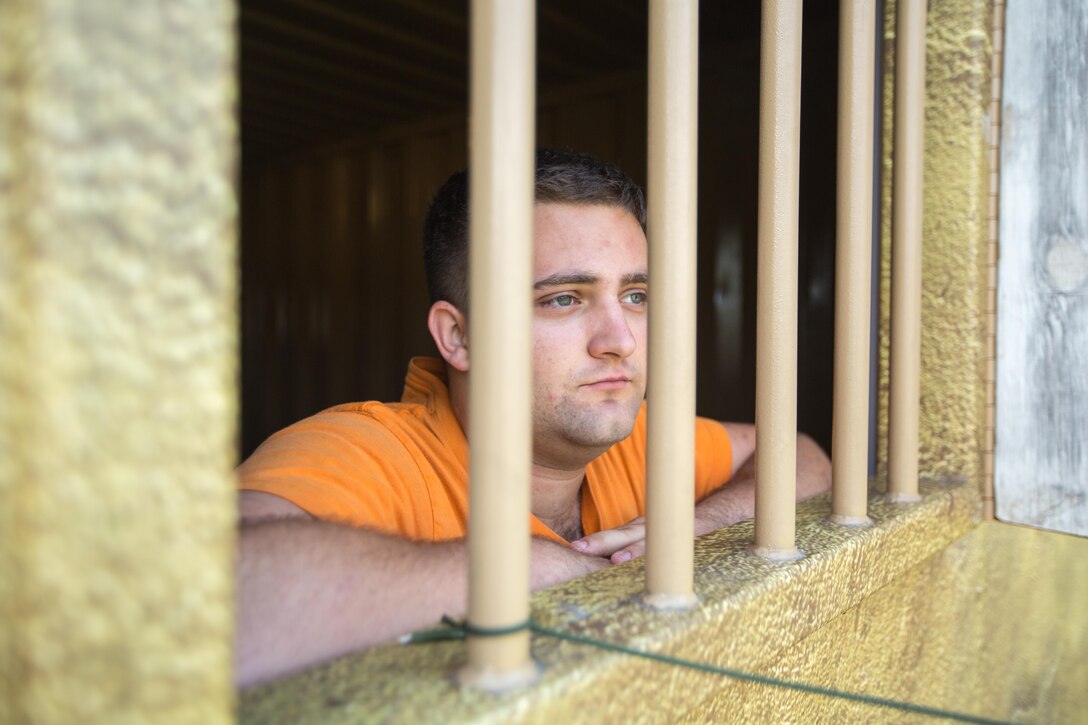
x=629 y=552
x=608 y=542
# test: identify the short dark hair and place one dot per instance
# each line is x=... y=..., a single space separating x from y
x=562 y=176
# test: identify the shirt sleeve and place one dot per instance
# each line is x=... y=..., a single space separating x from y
x=713 y=457
x=343 y=467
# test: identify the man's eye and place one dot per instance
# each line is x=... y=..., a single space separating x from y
x=635 y=298
x=561 y=301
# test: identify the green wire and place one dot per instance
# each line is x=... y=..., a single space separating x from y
x=458 y=630
x=453 y=629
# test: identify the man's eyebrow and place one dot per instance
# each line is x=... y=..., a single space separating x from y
x=560 y=279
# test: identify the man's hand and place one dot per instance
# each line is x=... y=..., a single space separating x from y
x=728 y=505
x=627 y=542
x=554 y=563
x=617 y=545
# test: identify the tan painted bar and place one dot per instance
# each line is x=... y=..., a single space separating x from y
x=500 y=427
x=853 y=263
x=673 y=111
x=776 y=280
x=906 y=338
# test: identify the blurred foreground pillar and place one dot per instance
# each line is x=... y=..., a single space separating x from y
x=117 y=362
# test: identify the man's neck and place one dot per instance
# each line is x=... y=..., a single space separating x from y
x=556 y=488
x=557 y=499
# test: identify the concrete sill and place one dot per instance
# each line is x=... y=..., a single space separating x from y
x=751 y=613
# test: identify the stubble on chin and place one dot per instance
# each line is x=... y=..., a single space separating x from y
x=596 y=426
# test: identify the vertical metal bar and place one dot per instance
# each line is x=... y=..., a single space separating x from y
x=673 y=111
x=910 y=71
x=776 y=292
x=500 y=253
x=853 y=262
x=878 y=180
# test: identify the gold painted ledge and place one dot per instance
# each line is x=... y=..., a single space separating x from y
x=987 y=625
x=993 y=626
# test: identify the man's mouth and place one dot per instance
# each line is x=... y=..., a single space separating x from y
x=616 y=382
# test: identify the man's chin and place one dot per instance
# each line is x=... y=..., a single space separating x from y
x=612 y=426
x=593 y=426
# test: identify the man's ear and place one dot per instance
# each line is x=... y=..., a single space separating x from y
x=449 y=328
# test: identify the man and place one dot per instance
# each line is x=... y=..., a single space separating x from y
x=353 y=520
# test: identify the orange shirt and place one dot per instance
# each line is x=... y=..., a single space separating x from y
x=402 y=468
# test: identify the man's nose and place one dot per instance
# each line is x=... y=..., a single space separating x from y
x=612 y=334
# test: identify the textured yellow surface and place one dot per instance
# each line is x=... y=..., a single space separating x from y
x=752 y=611
x=954 y=255
x=994 y=626
x=117 y=361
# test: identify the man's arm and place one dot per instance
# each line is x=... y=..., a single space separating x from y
x=737 y=501
x=309 y=591
x=727 y=505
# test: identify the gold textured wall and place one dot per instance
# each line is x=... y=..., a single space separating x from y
x=117 y=361
x=117 y=408
x=954 y=248
x=992 y=626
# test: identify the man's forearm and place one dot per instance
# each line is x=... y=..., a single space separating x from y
x=736 y=500
x=813 y=468
x=733 y=502
x=310 y=591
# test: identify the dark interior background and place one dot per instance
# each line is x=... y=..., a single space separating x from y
x=352 y=114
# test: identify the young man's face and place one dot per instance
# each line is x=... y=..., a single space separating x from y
x=589 y=329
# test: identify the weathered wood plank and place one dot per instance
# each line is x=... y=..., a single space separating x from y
x=1041 y=449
